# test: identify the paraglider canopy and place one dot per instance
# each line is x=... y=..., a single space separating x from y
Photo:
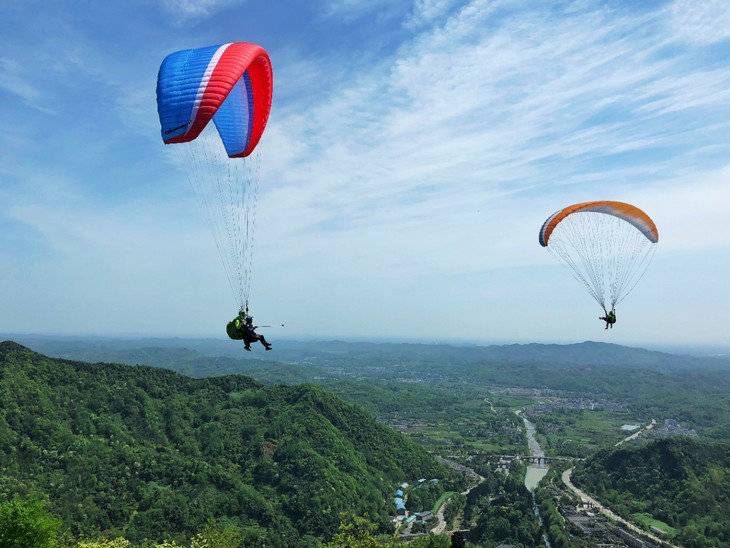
x=229 y=83
x=608 y=245
x=629 y=213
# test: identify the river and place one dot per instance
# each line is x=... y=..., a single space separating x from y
x=534 y=473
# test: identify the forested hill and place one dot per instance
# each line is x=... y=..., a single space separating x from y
x=693 y=390
x=148 y=453
x=683 y=482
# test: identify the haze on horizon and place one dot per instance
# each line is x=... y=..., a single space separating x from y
x=413 y=152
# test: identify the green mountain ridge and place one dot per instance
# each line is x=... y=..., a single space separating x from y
x=683 y=482
x=120 y=450
x=694 y=391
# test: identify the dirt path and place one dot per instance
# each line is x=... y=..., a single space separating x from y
x=441 y=524
x=635 y=435
x=610 y=515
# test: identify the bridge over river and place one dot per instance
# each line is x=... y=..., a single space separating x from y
x=539 y=460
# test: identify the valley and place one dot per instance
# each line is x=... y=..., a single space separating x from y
x=504 y=437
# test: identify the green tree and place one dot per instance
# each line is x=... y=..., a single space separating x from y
x=357 y=532
x=218 y=535
x=118 y=542
x=27 y=522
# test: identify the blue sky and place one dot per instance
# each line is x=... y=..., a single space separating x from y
x=413 y=151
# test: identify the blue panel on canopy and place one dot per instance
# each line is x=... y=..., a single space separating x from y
x=235 y=117
x=178 y=82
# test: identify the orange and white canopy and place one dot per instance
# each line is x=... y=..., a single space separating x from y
x=629 y=213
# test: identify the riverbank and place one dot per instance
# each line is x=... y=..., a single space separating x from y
x=534 y=473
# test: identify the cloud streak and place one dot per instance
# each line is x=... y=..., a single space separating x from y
x=14 y=82
x=702 y=23
x=187 y=10
x=494 y=103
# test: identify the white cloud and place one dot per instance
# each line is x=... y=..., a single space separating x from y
x=351 y=6
x=691 y=212
x=491 y=106
x=116 y=268
x=354 y=10
x=185 y=10
x=426 y=11
x=705 y=22
x=137 y=107
x=14 y=81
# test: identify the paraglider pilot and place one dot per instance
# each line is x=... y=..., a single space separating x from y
x=609 y=318
x=241 y=328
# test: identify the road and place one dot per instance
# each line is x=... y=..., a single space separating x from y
x=610 y=515
x=635 y=435
x=441 y=523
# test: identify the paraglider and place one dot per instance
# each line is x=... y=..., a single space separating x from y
x=241 y=328
x=609 y=318
x=608 y=246
x=232 y=85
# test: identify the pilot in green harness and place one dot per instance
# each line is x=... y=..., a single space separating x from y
x=609 y=318
x=241 y=328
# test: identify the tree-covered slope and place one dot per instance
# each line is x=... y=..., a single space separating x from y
x=683 y=482
x=148 y=453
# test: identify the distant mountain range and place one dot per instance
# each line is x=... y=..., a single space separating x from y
x=161 y=352
x=653 y=384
